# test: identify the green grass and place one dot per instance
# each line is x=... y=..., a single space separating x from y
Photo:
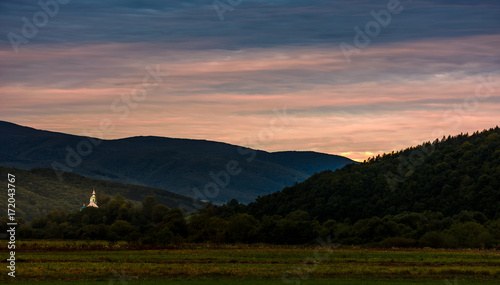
x=270 y=282
x=249 y=264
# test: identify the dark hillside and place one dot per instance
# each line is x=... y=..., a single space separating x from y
x=448 y=175
x=176 y=165
x=38 y=192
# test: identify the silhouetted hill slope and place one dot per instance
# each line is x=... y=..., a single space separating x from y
x=454 y=174
x=38 y=192
x=177 y=165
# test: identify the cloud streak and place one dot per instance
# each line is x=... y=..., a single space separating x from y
x=226 y=78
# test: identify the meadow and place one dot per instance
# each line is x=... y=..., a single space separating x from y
x=102 y=263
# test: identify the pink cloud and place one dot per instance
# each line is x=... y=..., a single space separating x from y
x=389 y=97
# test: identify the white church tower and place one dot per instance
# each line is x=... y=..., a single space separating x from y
x=92 y=201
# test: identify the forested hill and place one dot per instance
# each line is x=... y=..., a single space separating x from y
x=448 y=176
x=176 y=165
x=38 y=192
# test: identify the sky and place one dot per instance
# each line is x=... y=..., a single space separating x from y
x=352 y=78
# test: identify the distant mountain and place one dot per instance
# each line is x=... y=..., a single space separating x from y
x=201 y=169
x=454 y=174
x=38 y=192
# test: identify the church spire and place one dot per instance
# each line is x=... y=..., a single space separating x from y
x=92 y=200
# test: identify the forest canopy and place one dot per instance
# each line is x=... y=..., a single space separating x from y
x=444 y=193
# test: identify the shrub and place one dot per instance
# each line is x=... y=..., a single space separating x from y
x=398 y=242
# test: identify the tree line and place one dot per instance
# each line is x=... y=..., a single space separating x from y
x=151 y=223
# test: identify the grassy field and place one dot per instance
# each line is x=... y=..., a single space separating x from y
x=100 y=263
x=269 y=282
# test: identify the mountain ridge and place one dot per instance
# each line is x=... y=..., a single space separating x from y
x=183 y=166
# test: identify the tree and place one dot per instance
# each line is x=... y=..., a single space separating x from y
x=165 y=236
x=121 y=228
x=176 y=223
x=438 y=240
x=159 y=211
x=147 y=206
x=471 y=234
x=242 y=228
x=268 y=230
x=296 y=228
